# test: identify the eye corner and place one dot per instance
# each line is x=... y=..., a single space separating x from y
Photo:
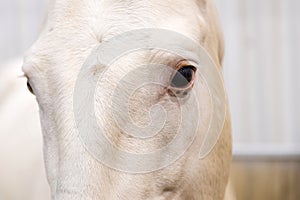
x=28 y=84
x=29 y=87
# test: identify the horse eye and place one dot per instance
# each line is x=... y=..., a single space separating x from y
x=184 y=77
x=29 y=87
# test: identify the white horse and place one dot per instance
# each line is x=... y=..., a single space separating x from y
x=56 y=66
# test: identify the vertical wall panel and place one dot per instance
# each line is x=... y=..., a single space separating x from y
x=19 y=24
x=262 y=74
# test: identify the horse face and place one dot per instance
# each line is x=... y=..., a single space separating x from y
x=107 y=123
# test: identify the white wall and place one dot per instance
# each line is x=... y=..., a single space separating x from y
x=262 y=74
x=19 y=24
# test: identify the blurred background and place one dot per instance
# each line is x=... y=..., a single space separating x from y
x=262 y=77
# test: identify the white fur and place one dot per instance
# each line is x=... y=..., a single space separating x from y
x=72 y=29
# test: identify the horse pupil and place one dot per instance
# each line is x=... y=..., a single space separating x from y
x=183 y=76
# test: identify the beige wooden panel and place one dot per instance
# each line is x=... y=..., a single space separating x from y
x=266 y=180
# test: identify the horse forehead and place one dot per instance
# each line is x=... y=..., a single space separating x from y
x=108 y=18
x=75 y=27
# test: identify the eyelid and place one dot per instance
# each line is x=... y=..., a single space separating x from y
x=25 y=76
x=181 y=64
x=185 y=63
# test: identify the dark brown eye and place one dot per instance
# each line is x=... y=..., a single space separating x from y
x=184 y=77
x=29 y=87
